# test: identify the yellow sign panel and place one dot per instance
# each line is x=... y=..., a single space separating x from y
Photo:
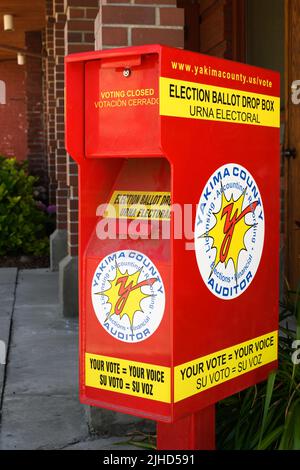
x=128 y=377
x=154 y=382
x=141 y=205
x=209 y=371
x=207 y=102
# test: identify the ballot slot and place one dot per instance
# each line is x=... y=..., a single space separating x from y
x=121 y=105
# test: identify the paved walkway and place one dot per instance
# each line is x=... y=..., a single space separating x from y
x=38 y=386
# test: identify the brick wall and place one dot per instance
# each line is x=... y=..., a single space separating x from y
x=49 y=94
x=60 y=152
x=35 y=108
x=13 y=119
x=79 y=37
x=131 y=23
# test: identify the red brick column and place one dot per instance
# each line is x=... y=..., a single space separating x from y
x=131 y=23
x=60 y=152
x=49 y=98
x=54 y=124
x=35 y=114
x=79 y=37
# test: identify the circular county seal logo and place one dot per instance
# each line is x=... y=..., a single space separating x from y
x=229 y=231
x=128 y=296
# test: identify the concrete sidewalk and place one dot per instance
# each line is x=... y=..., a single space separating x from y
x=39 y=384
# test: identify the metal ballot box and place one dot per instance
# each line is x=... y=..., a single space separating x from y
x=178 y=159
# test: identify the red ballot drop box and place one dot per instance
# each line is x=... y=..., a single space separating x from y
x=178 y=161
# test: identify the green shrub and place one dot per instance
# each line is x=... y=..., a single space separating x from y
x=267 y=416
x=22 y=224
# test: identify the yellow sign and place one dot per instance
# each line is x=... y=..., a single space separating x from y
x=207 y=102
x=209 y=371
x=141 y=205
x=128 y=377
x=154 y=382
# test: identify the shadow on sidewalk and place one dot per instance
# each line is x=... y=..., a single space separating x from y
x=40 y=406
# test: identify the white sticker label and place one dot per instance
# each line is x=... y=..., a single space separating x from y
x=229 y=231
x=128 y=296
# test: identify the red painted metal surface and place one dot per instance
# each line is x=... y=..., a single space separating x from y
x=194 y=431
x=178 y=155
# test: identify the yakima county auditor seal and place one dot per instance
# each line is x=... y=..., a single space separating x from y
x=229 y=231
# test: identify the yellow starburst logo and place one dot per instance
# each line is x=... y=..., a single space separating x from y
x=229 y=231
x=125 y=294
